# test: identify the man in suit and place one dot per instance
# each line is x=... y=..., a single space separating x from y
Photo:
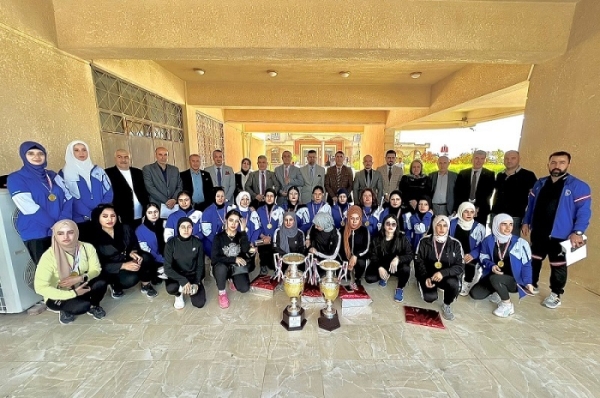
x=338 y=176
x=222 y=175
x=391 y=174
x=259 y=181
x=287 y=176
x=198 y=183
x=443 y=182
x=368 y=178
x=130 y=195
x=313 y=175
x=162 y=180
x=475 y=185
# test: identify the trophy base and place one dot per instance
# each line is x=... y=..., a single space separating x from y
x=327 y=323
x=293 y=322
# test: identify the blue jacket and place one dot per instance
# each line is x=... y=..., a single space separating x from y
x=101 y=193
x=372 y=216
x=37 y=214
x=417 y=228
x=252 y=224
x=212 y=223
x=148 y=242
x=171 y=225
x=403 y=220
x=520 y=258
x=307 y=214
x=574 y=207
x=339 y=216
x=476 y=236
x=299 y=219
x=276 y=220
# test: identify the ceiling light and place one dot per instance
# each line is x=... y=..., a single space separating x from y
x=199 y=71
x=272 y=73
x=344 y=74
x=415 y=75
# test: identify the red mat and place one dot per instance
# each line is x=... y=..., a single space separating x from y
x=423 y=317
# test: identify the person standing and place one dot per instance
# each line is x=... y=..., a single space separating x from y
x=313 y=175
x=475 y=185
x=559 y=208
x=241 y=177
x=391 y=174
x=368 y=178
x=287 y=176
x=198 y=183
x=442 y=188
x=512 y=190
x=222 y=175
x=338 y=176
x=129 y=192
x=162 y=180
x=414 y=185
x=259 y=181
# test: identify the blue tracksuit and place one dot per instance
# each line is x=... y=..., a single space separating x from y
x=476 y=236
x=275 y=220
x=339 y=215
x=212 y=221
x=417 y=228
x=171 y=225
x=101 y=192
x=148 y=242
x=520 y=258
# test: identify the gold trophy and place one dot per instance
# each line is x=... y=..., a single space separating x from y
x=293 y=285
x=330 y=288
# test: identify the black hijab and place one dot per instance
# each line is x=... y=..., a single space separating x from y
x=156 y=227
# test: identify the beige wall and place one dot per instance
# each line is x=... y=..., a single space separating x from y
x=257 y=148
x=563 y=113
x=373 y=143
x=233 y=146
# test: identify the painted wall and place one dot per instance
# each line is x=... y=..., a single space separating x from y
x=373 y=143
x=563 y=113
x=257 y=148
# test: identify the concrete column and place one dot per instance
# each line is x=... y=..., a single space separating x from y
x=373 y=143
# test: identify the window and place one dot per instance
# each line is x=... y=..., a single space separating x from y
x=210 y=137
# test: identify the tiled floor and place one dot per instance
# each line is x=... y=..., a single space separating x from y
x=145 y=348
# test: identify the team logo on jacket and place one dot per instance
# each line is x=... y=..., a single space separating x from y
x=568 y=192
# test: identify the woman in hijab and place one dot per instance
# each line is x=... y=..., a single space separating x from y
x=249 y=221
x=438 y=265
x=184 y=266
x=315 y=206
x=357 y=241
x=414 y=185
x=67 y=275
x=123 y=263
x=288 y=238
x=213 y=219
x=151 y=237
x=270 y=217
x=323 y=240
x=391 y=255
x=370 y=210
x=394 y=207
x=41 y=198
x=339 y=209
x=88 y=184
x=470 y=234
x=419 y=222
x=242 y=176
x=186 y=209
x=506 y=261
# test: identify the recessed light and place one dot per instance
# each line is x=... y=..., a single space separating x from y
x=415 y=75
x=199 y=71
x=344 y=74
x=272 y=73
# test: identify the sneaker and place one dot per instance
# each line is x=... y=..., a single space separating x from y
x=447 y=312
x=535 y=290
x=399 y=296
x=65 y=318
x=179 y=302
x=223 y=300
x=466 y=288
x=352 y=287
x=504 y=310
x=97 y=312
x=149 y=290
x=232 y=286
x=382 y=283
x=495 y=298
x=116 y=292
x=552 y=301
x=264 y=270
x=161 y=273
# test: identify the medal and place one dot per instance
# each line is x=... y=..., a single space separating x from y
x=502 y=255
x=74 y=273
x=269 y=225
x=437 y=265
x=367 y=223
x=342 y=223
x=52 y=197
x=500 y=264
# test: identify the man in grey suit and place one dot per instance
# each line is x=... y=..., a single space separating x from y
x=259 y=181
x=368 y=178
x=391 y=174
x=162 y=180
x=222 y=175
x=313 y=175
x=442 y=192
x=287 y=176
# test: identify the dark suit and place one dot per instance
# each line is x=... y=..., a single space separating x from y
x=123 y=194
x=159 y=190
x=332 y=186
x=452 y=176
x=253 y=185
x=360 y=183
x=207 y=188
x=485 y=187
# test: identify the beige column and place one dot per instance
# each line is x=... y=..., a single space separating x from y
x=373 y=143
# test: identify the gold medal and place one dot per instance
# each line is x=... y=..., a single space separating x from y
x=342 y=223
x=500 y=264
x=269 y=225
x=437 y=265
x=367 y=223
x=74 y=273
x=52 y=197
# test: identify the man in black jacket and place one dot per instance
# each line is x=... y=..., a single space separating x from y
x=475 y=185
x=198 y=183
x=130 y=195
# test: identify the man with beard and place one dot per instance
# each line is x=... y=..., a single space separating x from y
x=559 y=208
x=391 y=174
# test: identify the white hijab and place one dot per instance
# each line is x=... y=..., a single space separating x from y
x=238 y=200
x=76 y=169
x=466 y=225
x=436 y=221
x=499 y=219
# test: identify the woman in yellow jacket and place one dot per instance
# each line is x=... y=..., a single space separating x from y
x=67 y=275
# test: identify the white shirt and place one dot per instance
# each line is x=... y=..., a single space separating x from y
x=137 y=206
x=441 y=188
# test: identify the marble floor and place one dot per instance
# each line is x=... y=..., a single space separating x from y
x=145 y=348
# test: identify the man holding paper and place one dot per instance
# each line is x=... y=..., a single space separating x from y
x=559 y=208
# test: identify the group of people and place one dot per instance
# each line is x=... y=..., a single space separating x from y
x=90 y=229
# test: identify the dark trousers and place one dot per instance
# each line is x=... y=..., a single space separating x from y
x=37 y=247
x=81 y=304
x=470 y=269
x=222 y=272
x=198 y=300
x=359 y=270
x=402 y=273
x=265 y=253
x=125 y=279
x=501 y=284
x=449 y=285
x=542 y=246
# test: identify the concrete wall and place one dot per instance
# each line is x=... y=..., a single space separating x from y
x=563 y=113
x=373 y=143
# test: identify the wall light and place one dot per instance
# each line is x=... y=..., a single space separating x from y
x=272 y=73
x=415 y=75
x=345 y=74
x=199 y=71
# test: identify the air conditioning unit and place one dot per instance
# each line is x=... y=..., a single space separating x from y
x=17 y=270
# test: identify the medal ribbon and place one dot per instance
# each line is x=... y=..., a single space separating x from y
x=500 y=254
x=313 y=208
x=439 y=256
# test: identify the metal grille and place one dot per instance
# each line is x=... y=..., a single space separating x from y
x=129 y=113
x=29 y=274
x=210 y=137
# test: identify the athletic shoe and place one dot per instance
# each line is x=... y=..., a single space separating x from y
x=65 y=318
x=149 y=290
x=447 y=312
x=223 y=300
x=232 y=286
x=382 y=283
x=352 y=287
x=466 y=288
x=504 y=310
x=495 y=298
x=97 y=312
x=115 y=292
x=552 y=301
x=399 y=296
x=161 y=273
x=264 y=270
x=535 y=290
x=179 y=302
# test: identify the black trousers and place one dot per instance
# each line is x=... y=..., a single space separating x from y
x=449 y=285
x=198 y=300
x=222 y=272
x=37 y=247
x=470 y=269
x=501 y=284
x=359 y=270
x=265 y=253
x=125 y=279
x=542 y=246
x=81 y=304
x=402 y=273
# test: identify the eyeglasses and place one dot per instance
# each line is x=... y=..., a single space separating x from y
x=390 y=224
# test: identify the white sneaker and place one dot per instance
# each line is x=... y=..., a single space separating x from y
x=466 y=288
x=495 y=298
x=552 y=301
x=179 y=302
x=504 y=310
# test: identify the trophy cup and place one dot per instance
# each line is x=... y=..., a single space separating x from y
x=330 y=287
x=293 y=285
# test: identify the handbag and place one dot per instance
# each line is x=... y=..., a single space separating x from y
x=239 y=270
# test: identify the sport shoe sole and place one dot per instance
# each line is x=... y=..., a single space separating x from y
x=179 y=305
x=552 y=305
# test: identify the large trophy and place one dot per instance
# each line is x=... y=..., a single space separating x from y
x=293 y=285
x=330 y=287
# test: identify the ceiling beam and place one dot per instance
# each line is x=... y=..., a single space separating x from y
x=304 y=117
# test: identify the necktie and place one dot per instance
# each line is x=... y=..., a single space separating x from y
x=219 y=177
x=473 y=185
x=286 y=174
x=368 y=178
x=263 y=183
x=312 y=173
x=339 y=177
x=390 y=174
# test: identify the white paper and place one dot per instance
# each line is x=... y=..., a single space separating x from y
x=572 y=256
x=165 y=212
